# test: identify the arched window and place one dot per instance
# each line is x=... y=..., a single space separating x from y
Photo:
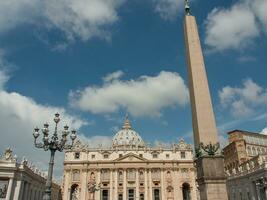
x=74 y=192
x=186 y=191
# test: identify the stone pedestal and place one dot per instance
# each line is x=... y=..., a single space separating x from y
x=211 y=178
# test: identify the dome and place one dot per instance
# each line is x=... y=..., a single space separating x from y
x=127 y=137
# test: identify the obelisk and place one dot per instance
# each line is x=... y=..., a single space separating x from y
x=209 y=160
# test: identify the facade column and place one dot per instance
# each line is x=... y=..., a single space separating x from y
x=83 y=180
x=115 y=185
x=124 y=184
x=150 y=184
x=193 y=186
x=111 y=184
x=21 y=190
x=25 y=191
x=146 y=185
x=66 y=186
x=10 y=189
x=137 y=194
x=162 y=183
x=177 y=185
x=98 y=193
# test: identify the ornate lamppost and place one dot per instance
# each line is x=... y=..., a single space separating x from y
x=53 y=144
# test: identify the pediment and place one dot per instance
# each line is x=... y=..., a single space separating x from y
x=131 y=157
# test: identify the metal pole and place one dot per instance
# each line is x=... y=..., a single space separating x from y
x=48 y=184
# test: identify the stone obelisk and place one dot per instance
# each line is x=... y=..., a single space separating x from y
x=209 y=160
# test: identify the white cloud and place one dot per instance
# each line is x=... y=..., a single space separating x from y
x=264 y=131
x=236 y=27
x=96 y=141
x=146 y=96
x=242 y=101
x=81 y=19
x=19 y=115
x=168 y=9
x=113 y=76
x=3 y=79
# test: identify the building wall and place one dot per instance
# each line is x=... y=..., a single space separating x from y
x=243 y=145
x=23 y=182
x=144 y=170
x=249 y=181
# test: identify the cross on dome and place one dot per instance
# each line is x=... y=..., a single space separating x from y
x=127 y=123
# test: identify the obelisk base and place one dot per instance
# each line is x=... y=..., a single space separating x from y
x=211 y=178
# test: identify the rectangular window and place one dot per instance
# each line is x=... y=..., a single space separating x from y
x=167 y=155
x=120 y=155
x=155 y=155
x=77 y=155
x=93 y=156
x=120 y=197
x=142 y=197
x=105 y=195
x=141 y=155
x=182 y=154
x=156 y=194
x=106 y=156
x=131 y=194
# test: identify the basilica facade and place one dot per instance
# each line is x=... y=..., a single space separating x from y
x=129 y=170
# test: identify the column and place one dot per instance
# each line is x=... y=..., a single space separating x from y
x=115 y=196
x=193 y=182
x=97 y=193
x=111 y=184
x=137 y=185
x=146 y=185
x=150 y=184
x=83 y=180
x=21 y=190
x=10 y=189
x=176 y=182
x=66 y=185
x=124 y=184
x=162 y=183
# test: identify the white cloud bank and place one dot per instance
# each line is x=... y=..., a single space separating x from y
x=81 y=19
x=243 y=101
x=19 y=115
x=145 y=96
x=236 y=27
x=264 y=131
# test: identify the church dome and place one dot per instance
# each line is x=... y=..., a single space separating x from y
x=127 y=137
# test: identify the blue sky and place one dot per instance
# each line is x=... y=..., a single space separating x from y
x=95 y=61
